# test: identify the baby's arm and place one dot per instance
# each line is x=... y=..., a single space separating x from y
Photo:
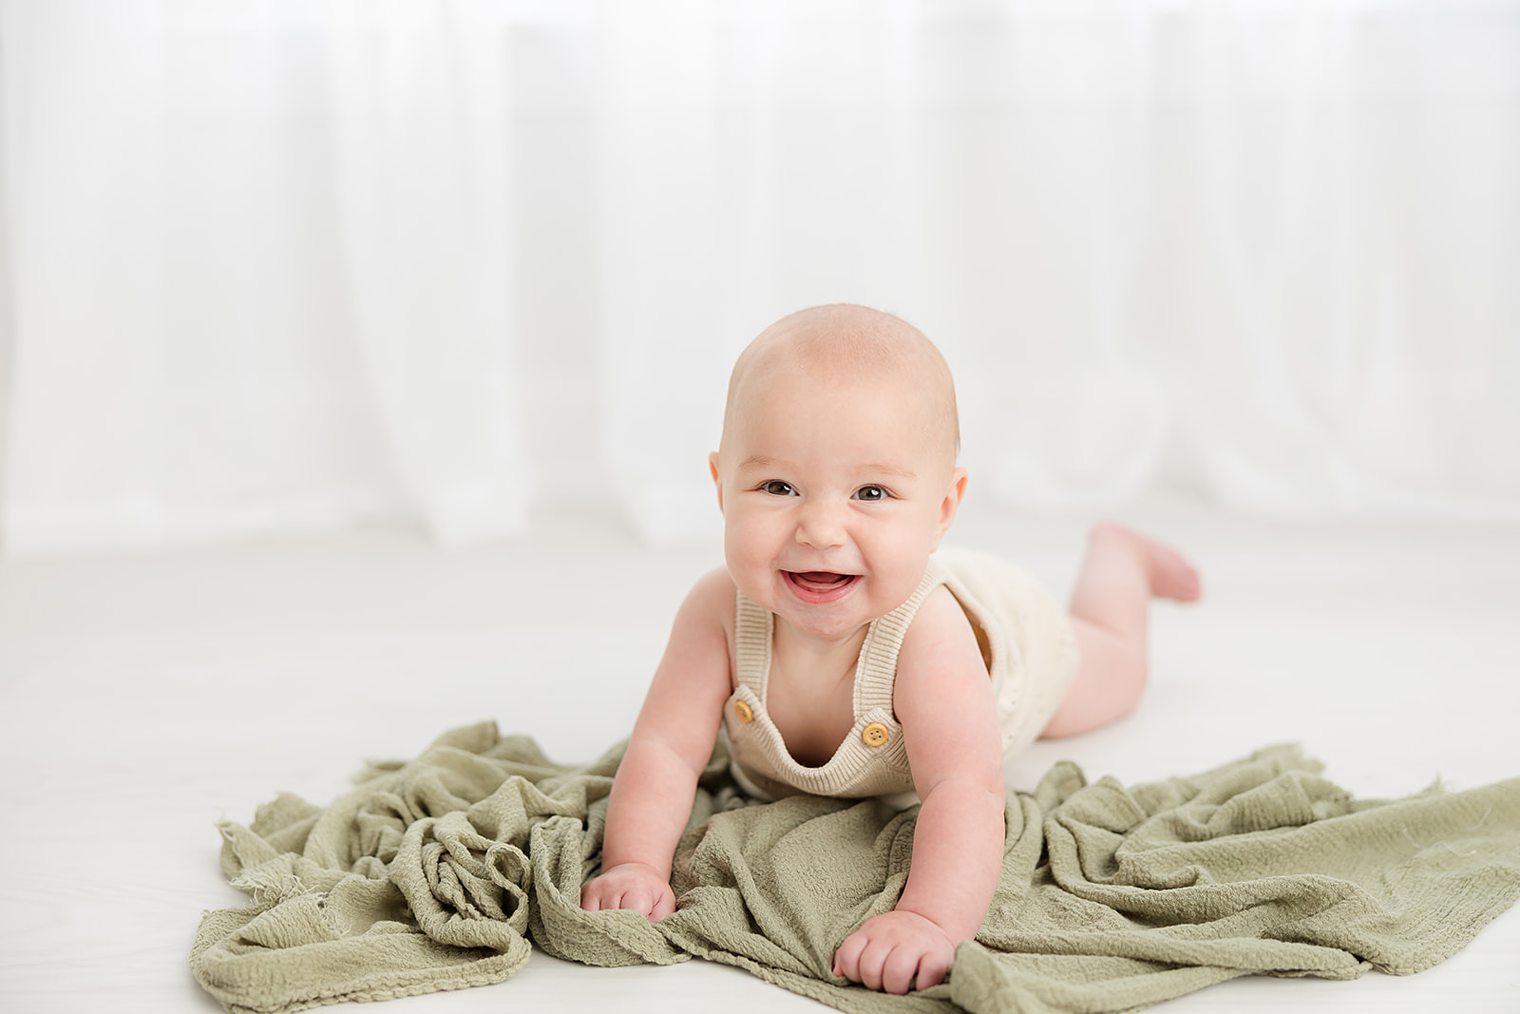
x=944 y=700
x=671 y=743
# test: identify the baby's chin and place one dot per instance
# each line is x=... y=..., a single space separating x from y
x=837 y=627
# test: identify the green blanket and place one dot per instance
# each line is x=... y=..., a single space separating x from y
x=434 y=873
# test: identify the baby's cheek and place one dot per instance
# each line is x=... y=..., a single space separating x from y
x=748 y=561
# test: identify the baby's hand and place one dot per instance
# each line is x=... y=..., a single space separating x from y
x=630 y=885
x=891 y=950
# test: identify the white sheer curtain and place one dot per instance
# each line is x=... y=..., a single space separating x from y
x=288 y=264
x=260 y=270
x=1268 y=251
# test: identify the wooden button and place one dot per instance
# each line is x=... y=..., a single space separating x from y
x=875 y=734
x=745 y=713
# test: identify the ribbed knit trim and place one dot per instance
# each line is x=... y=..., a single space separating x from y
x=752 y=643
x=876 y=670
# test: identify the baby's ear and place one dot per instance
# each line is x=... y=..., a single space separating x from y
x=712 y=466
x=952 y=502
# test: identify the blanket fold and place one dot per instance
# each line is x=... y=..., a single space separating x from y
x=436 y=873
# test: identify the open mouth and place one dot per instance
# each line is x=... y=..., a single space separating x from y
x=816 y=586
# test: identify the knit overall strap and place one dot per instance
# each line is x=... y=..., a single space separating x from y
x=753 y=624
x=876 y=671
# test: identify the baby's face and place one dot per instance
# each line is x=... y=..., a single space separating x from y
x=834 y=493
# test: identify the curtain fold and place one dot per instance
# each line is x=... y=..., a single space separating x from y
x=259 y=255
x=419 y=118
x=284 y=264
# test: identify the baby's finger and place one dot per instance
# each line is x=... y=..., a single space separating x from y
x=645 y=903
x=591 y=899
x=663 y=907
x=872 y=961
x=847 y=958
x=931 y=971
x=897 y=971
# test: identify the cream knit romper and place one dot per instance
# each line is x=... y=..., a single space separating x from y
x=1025 y=640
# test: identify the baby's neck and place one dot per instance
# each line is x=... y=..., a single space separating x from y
x=800 y=651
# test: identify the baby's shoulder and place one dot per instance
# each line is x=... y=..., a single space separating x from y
x=713 y=604
x=940 y=671
x=939 y=639
x=712 y=599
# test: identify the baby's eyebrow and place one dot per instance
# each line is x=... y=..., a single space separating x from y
x=901 y=473
x=763 y=461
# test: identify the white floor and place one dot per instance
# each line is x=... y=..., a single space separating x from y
x=143 y=696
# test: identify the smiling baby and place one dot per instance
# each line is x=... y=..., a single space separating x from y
x=847 y=655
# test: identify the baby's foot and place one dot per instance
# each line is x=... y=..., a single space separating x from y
x=1171 y=576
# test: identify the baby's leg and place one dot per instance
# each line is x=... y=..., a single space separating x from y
x=1110 y=609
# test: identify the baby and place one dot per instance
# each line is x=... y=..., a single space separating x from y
x=844 y=659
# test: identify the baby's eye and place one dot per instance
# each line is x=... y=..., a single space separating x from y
x=872 y=494
x=778 y=488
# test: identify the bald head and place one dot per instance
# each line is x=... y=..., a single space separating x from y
x=843 y=342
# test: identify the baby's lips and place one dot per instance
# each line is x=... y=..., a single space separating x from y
x=818 y=587
x=821 y=579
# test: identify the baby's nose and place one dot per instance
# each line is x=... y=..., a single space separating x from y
x=820 y=527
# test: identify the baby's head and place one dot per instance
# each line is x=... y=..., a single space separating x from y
x=836 y=472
